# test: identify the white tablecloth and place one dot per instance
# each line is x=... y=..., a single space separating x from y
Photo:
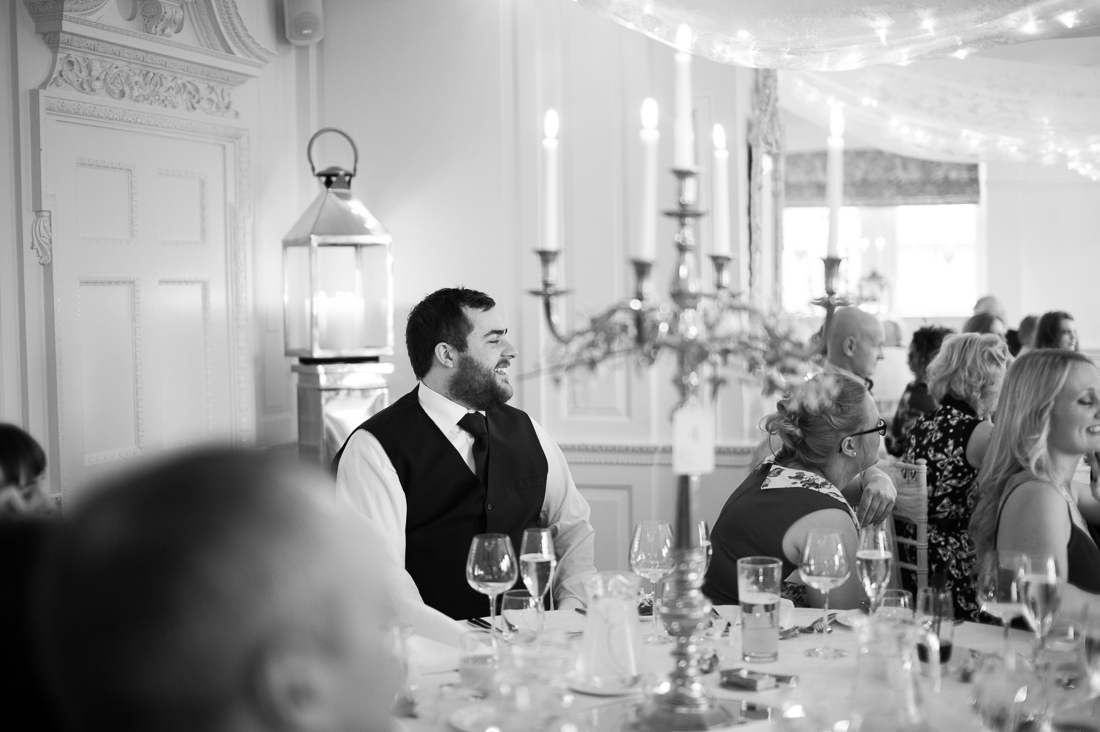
x=824 y=685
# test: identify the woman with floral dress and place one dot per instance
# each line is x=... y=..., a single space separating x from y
x=966 y=379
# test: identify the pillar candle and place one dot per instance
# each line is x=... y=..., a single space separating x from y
x=834 y=184
x=684 y=130
x=550 y=183
x=647 y=242
x=721 y=193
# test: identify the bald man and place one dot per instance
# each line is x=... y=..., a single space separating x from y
x=855 y=345
x=853 y=348
x=215 y=592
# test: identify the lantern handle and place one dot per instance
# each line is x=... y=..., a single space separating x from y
x=323 y=130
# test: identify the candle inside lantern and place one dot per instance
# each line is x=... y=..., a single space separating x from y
x=834 y=185
x=721 y=193
x=550 y=182
x=339 y=320
x=684 y=128
x=647 y=246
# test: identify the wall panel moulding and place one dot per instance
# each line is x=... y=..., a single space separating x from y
x=183 y=55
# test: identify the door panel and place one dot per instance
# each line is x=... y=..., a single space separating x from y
x=140 y=279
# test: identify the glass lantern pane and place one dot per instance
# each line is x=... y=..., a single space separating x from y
x=296 y=292
x=353 y=297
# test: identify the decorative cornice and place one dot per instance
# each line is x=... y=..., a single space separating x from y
x=72 y=43
x=162 y=17
x=141 y=86
x=54 y=9
x=233 y=25
x=42 y=236
x=146 y=119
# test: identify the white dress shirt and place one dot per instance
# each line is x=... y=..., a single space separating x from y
x=367 y=480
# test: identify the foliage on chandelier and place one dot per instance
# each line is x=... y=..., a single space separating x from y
x=723 y=331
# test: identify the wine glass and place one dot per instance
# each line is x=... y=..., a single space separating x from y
x=1041 y=596
x=651 y=557
x=536 y=565
x=1000 y=589
x=874 y=557
x=704 y=541
x=491 y=569
x=824 y=566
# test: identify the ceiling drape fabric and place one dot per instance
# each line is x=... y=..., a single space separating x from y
x=905 y=71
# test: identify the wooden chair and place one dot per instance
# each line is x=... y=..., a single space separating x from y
x=911 y=480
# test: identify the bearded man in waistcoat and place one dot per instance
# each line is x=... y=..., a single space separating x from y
x=451 y=459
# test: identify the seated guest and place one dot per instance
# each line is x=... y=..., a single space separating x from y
x=1026 y=335
x=829 y=428
x=966 y=379
x=1056 y=329
x=214 y=592
x=915 y=401
x=22 y=464
x=1047 y=418
x=985 y=322
x=451 y=459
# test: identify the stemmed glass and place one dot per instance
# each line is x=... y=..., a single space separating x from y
x=536 y=563
x=651 y=557
x=874 y=557
x=704 y=541
x=824 y=566
x=1041 y=595
x=491 y=569
x=1000 y=589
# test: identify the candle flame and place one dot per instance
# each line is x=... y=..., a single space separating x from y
x=551 y=124
x=836 y=121
x=683 y=39
x=649 y=114
x=719 y=138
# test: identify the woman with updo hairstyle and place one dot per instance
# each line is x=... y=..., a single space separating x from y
x=965 y=378
x=1056 y=329
x=985 y=322
x=830 y=432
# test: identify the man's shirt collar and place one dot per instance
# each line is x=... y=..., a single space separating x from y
x=444 y=412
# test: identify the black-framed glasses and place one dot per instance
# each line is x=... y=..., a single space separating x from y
x=880 y=428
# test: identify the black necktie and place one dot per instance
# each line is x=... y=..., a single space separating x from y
x=474 y=423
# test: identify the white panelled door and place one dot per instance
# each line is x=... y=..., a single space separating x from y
x=142 y=304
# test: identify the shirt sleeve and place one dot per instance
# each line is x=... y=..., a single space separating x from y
x=366 y=480
x=566 y=514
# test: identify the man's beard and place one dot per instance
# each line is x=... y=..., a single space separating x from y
x=476 y=386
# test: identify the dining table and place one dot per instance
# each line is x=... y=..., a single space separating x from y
x=823 y=687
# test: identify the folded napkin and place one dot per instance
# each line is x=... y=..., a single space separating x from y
x=426 y=656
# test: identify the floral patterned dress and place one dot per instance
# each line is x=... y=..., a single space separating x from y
x=952 y=493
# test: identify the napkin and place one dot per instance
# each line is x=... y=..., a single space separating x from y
x=430 y=657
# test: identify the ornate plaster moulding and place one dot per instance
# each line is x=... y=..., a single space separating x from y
x=216 y=46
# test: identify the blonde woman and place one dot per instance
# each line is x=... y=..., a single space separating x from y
x=1047 y=418
x=830 y=431
x=965 y=378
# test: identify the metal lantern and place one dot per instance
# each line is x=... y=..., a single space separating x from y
x=337 y=311
x=337 y=274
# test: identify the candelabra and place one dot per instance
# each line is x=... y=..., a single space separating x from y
x=687 y=326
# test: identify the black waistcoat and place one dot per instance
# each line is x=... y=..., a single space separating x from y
x=447 y=504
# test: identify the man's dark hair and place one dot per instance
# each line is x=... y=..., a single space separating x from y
x=981 y=322
x=439 y=318
x=926 y=343
x=1049 y=328
x=20 y=455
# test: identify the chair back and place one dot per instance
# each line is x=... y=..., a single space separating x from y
x=911 y=481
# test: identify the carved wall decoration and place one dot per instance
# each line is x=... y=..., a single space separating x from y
x=162 y=17
x=142 y=86
x=42 y=237
x=879 y=178
x=54 y=9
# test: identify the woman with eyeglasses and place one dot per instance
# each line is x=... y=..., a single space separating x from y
x=830 y=432
x=965 y=377
x=22 y=463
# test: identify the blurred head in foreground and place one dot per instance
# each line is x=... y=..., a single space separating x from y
x=22 y=464
x=214 y=591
